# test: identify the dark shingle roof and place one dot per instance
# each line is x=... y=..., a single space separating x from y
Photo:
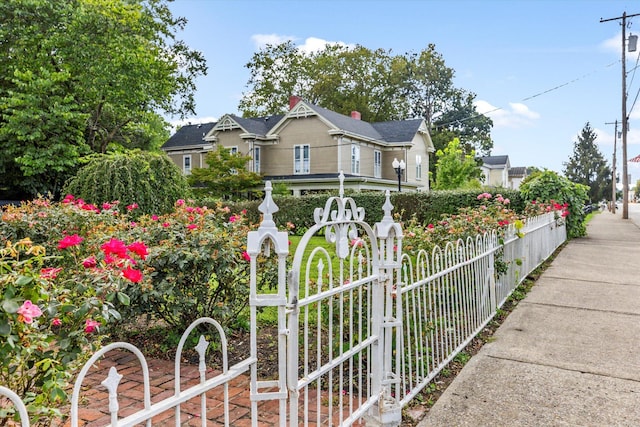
x=347 y=123
x=257 y=125
x=495 y=160
x=392 y=131
x=518 y=171
x=398 y=131
x=189 y=135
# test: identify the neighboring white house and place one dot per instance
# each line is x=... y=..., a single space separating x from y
x=498 y=172
x=516 y=175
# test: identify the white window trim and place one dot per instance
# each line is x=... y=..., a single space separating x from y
x=256 y=159
x=377 y=164
x=187 y=170
x=355 y=159
x=302 y=170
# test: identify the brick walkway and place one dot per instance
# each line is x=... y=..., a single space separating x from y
x=94 y=398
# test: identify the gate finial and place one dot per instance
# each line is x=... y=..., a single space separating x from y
x=341 y=178
x=268 y=207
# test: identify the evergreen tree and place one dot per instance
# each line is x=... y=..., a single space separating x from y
x=587 y=166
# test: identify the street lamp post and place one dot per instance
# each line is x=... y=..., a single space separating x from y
x=399 y=166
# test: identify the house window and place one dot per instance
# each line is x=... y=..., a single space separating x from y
x=234 y=152
x=418 y=167
x=377 y=164
x=256 y=159
x=355 y=159
x=301 y=159
x=186 y=164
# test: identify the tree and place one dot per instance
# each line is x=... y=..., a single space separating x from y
x=339 y=78
x=455 y=169
x=133 y=177
x=378 y=84
x=111 y=67
x=226 y=174
x=587 y=166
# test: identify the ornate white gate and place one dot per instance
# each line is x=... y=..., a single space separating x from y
x=333 y=316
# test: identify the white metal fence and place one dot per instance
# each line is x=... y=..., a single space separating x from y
x=362 y=327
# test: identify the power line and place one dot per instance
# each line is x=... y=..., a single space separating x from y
x=532 y=96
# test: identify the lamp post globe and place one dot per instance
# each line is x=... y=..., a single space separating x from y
x=399 y=167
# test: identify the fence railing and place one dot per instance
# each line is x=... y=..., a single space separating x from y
x=362 y=327
x=444 y=299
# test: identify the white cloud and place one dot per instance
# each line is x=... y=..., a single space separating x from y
x=612 y=44
x=518 y=115
x=261 y=40
x=314 y=44
x=311 y=44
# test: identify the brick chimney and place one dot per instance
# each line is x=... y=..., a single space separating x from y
x=356 y=115
x=293 y=100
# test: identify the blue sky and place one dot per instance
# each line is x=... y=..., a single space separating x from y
x=548 y=67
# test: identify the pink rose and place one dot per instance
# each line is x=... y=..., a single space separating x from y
x=91 y=326
x=50 y=273
x=29 y=311
x=132 y=274
x=89 y=262
x=69 y=241
x=139 y=248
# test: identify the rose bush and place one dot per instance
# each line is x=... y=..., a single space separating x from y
x=86 y=266
x=196 y=266
x=492 y=214
x=48 y=328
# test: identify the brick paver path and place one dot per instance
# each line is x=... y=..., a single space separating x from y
x=94 y=398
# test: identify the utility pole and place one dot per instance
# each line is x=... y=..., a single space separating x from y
x=613 y=168
x=625 y=119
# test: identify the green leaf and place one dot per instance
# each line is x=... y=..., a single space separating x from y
x=24 y=280
x=5 y=329
x=123 y=298
x=10 y=306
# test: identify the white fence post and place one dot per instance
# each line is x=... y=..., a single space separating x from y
x=262 y=241
x=388 y=412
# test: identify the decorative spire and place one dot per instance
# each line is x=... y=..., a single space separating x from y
x=341 y=178
x=111 y=383
x=268 y=207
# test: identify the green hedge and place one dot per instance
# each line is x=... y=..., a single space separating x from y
x=427 y=207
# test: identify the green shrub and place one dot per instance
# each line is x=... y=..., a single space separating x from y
x=551 y=188
x=149 y=180
x=425 y=208
x=196 y=266
x=50 y=317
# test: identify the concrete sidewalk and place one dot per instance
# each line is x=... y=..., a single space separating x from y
x=569 y=354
